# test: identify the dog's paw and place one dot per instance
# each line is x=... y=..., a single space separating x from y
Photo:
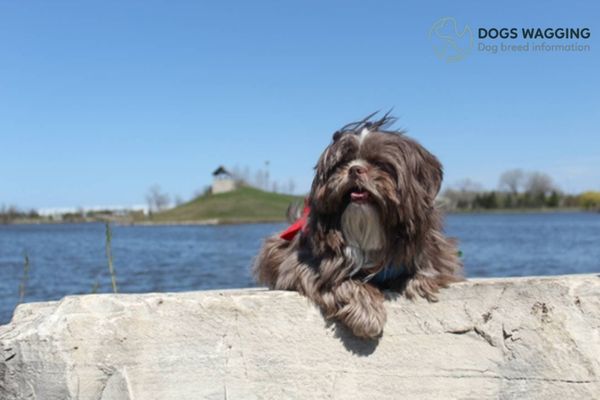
x=364 y=322
x=424 y=286
x=363 y=311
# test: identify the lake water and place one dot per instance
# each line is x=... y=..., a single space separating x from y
x=70 y=259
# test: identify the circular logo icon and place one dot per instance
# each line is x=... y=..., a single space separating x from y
x=450 y=43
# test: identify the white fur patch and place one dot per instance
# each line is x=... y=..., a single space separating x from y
x=364 y=234
x=363 y=135
x=359 y=162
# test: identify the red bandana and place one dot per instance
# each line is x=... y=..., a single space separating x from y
x=297 y=226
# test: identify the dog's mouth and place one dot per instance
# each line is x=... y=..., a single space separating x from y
x=359 y=195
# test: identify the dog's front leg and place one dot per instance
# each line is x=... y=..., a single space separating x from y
x=357 y=305
x=437 y=266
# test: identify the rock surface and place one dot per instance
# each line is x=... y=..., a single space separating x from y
x=524 y=338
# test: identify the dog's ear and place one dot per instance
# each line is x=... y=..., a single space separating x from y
x=427 y=169
x=338 y=150
x=321 y=173
x=321 y=167
x=424 y=166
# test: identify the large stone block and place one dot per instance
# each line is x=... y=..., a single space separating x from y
x=522 y=338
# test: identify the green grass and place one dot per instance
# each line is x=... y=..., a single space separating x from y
x=242 y=205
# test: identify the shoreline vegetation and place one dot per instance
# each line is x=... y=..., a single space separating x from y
x=249 y=205
x=518 y=192
x=282 y=219
x=243 y=205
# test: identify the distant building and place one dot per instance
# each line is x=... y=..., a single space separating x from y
x=223 y=181
x=58 y=212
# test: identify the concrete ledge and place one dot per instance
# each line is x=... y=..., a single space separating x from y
x=526 y=338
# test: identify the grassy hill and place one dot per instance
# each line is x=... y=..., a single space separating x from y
x=245 y=204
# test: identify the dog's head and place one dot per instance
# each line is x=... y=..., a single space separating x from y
x=369 y=175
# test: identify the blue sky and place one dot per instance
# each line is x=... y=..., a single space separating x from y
x=100 y=100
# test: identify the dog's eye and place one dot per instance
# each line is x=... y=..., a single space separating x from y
x=385 y=167
x=336 y=166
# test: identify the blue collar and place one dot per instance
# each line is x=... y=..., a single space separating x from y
x=387 y=274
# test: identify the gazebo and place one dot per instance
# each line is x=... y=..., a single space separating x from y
x=223 y=181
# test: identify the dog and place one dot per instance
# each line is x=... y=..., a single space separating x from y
x=369 y=224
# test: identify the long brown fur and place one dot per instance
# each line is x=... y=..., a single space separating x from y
x=402 y=179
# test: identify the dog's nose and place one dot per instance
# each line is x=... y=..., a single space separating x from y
x=357 y=170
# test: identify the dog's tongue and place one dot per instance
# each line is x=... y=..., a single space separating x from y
x=359 y=196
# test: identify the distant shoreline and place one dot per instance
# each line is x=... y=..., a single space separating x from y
x=150 y=223
x=204 y=222
x=523 y=211
x=216 y=221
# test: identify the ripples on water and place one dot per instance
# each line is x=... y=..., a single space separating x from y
x=70 y=258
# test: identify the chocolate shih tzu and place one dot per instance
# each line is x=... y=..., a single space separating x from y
x=369 y=224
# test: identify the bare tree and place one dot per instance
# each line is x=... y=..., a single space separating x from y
x=291 y=186
x=259 y=179
x=240 y=176
x=205 y=191
x=266 y=175
x=156 y=199
x=512 y=180
x=468 y=186
x=246 y=174
x=539 y=183
x=178 y=200
x=462 y=194
x=236 y=172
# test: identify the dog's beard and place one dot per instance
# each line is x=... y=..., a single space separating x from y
x=364 y=235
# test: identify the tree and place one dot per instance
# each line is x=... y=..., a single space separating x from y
x=469 y=186
x=512 y=180
x=291 y=186
x=259 y=179
x=33 y=213
x=486 y=200
x=508 y=200
x=156 y=199
x=246 y=175
x=266 y=175
x=240 y=177
x=553 y=200
x=9 y=214
x=539 y=184
x=590 y=200
x=463 y=194
x=492 y=200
